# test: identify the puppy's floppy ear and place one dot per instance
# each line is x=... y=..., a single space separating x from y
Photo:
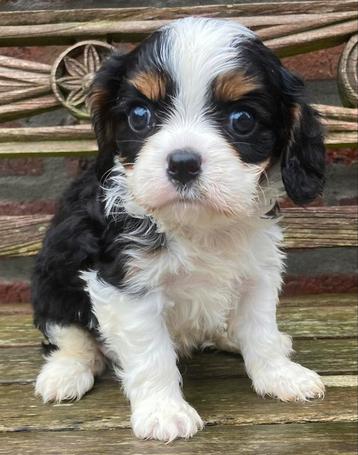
x=303 y=155
x=102 y=99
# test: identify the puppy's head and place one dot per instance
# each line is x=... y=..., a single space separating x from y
x=193 y=118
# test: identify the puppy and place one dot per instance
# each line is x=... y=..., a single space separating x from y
x=166 y=243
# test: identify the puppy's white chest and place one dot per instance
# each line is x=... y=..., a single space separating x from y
x=199 y=289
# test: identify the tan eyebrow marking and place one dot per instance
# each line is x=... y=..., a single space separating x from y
x=151 y=84
x=233 y=86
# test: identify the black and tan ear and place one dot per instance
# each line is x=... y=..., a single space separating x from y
x=303 y=157
x=102 y=99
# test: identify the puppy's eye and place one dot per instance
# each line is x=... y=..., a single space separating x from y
x=242 y=122
x=140 y=119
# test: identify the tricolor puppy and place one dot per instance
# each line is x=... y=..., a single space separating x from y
x=166 y=243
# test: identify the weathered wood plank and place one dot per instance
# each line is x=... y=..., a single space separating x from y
x=308 y=23
x=341 y=140
x=21 y=75
x=84 y=147
x=306 y=320
x=331 y=25
x=337 y=112
x=308 y=41
x=303 y=227
x=338 y=125
x=47 y=133
x=326 y=356
x=299 y=300
x=313 y=438
x=228 y=401
x=66 y=33
x=320 y=226
x=26 y=65
x=27 y=108
x=277 y=13
x=18 y=330
x=21 y=94
x=31 y=229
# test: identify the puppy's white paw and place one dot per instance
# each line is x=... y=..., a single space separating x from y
x=288 y=381
x=64 y=379
x=165 y=420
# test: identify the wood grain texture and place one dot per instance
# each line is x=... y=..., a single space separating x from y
x=21 y=94
x=325 y=356
x=48 y=133
x=238 y=421
x=303 y=227
x=26 y=65
x=302 y=24
x=31 y=228
x=313 y=438
x=314 y=227
x=328 y=24
x=277 y=12
x=337 y=112
x=54 y=148
x=27 y=108
x=308 y=41
x=286 y=40
x=306 y=320
x=229 y=401
x=313 y=300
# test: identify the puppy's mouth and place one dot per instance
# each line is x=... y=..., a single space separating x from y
x=186 y=204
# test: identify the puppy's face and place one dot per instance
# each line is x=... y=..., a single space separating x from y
x=196 y=115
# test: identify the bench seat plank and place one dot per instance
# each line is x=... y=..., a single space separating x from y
x=305 y=320
x=325 y=356
x=313 y=438
x=228 y=401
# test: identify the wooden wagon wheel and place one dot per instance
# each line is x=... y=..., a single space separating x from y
x=73 y=72
x=347 y=73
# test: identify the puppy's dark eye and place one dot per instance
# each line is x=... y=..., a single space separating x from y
x=242 y=122
x=140 y=119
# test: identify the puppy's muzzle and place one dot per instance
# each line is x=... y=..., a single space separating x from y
x=184 y=166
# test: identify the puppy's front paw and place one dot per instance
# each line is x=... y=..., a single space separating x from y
x=288 y=381
x=165 y=420
x=65 y=379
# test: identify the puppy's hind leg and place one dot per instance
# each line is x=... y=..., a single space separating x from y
x=70 y=369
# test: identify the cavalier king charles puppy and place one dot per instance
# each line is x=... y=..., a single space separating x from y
x=168 y=242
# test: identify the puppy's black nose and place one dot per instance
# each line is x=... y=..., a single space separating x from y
x=184 y=165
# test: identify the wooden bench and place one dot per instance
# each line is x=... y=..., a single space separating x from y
x=324 y=327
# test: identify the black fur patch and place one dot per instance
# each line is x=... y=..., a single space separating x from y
x=81 y=238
